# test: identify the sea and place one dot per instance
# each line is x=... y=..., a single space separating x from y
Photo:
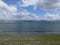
x=29 y=27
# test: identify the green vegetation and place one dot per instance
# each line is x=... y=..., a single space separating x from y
x=12 y=39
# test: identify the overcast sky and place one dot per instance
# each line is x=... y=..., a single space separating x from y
x=29 y=9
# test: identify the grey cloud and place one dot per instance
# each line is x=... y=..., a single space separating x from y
x=49 y=4
x=44 y=4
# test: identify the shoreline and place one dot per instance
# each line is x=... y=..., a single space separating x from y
x=29 y=39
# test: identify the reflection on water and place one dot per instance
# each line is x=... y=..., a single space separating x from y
x=30 y=27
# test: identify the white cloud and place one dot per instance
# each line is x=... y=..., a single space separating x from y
x=25 y=15
x=44 y=4
x=7 y=7
x=6 y=11
x=29 y=2
x=50 y=16
x=9 y=12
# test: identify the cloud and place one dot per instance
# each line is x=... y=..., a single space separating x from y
x=7 y=7
x=25 y=15
x=50 y=16
x=44 y=4
x=10 y=12
x=6 y=11
x=29 y=2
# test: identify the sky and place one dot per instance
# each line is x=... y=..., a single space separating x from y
x=29 y=9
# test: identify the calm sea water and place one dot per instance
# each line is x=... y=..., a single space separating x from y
x=29 y=27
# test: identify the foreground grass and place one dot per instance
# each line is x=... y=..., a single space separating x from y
x=12 y=39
